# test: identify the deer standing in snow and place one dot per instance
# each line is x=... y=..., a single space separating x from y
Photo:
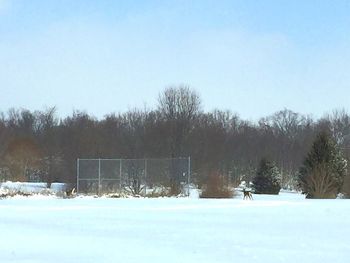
x=247 y=194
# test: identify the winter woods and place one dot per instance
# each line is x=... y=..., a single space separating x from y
x=39 y=145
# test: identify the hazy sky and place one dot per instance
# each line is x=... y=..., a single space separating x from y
x=252 y=57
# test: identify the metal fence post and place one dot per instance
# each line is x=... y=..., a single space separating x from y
x=145 y=177
x=189 y=175
x=99 y=176
x=78 y=176
x=120 y=174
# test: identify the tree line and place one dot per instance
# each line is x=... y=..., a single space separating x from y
x=38 y=145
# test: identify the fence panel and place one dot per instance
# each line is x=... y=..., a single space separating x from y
x=136 y=176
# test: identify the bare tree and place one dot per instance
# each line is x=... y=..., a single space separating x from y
x=178 y=106
x=22 y=156
x=79 y=137
x=283 y=142
x=47 y=124
x=339 y=125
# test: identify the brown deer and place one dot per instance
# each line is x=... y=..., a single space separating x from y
x=70 y=193
x=247 y=194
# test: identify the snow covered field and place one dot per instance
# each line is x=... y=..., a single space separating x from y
x=284 y=228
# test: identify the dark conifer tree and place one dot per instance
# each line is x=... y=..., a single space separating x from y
x=323 y=170
x=267 y=178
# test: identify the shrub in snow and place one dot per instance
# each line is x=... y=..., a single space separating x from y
x=215 y=187
x=118 y=195
x=175 y=188
x=158 y=191
x=9 y=189
x=346 y=186
x=172 y=188
x=323 y=170
x=135 y=187
x=168 y=191
x=267 y=178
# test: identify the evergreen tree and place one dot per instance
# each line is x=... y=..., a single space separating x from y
x=323 y=170
x=267 y=178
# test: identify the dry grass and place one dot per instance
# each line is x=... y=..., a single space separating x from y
x=215 y=187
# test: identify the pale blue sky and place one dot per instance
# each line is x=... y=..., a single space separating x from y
x=251 y=57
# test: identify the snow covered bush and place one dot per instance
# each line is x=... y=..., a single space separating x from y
x=267 y=178
x=158 y=191
x=215 y=187
x=324 y=168
x=9 y=189
x=175 y=188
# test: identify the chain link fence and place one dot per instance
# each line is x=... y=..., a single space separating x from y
x=134 y=176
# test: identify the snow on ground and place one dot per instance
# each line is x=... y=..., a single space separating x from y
x=22 y=187
x=31 y=188
x=284 y=228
